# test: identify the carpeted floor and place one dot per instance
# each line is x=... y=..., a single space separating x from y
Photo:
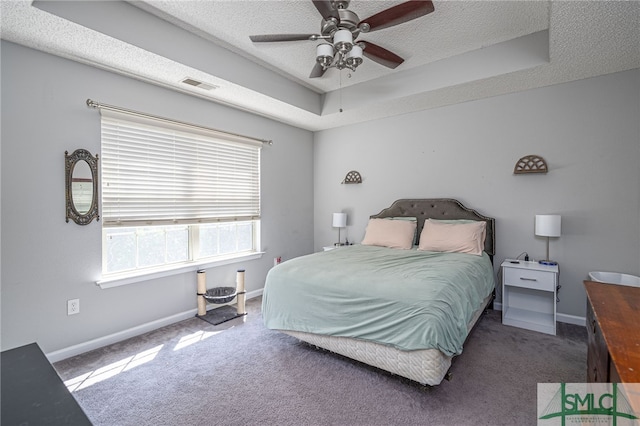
x=239 y=373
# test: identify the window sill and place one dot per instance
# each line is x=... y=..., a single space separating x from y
x=131 y=278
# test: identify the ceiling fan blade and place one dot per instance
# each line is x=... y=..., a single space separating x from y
x=266 y=38
x=380 y=55
x=399 y=14
x=317 y=71
x=325 y=8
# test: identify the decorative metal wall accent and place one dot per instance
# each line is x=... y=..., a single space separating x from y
x=352 y=177
x=530 y=164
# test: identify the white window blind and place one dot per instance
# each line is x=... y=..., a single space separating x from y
x=157 y=172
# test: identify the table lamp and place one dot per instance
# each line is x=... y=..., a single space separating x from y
x=339 y=221
x=548 y=225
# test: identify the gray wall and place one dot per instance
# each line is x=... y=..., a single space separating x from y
x=588 y=131
x=46 y=261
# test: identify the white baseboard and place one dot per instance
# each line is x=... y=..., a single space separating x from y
x=571 y=319
x=80 y=348
x=566 y=318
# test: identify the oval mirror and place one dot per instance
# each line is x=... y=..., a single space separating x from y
x=81 y=186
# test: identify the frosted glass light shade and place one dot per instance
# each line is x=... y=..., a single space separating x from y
x=324 y=50
x=354 y=57
x=339 y=220
x=356 y=52
x=548 y=225
x=343 y=36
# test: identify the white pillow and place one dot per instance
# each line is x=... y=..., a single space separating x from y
x=409 y=218
x=453 y=237
x=390 y=233
x=484 y=232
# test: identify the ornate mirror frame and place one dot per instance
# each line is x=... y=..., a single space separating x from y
x=70 y=162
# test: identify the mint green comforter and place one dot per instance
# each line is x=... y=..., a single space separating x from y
x=408 y=299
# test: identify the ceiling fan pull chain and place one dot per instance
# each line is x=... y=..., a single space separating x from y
x=340 y=90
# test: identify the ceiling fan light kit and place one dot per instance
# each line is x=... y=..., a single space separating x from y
x=341 y=27
x=341 y=54
x=354 y=57
x=343 y=41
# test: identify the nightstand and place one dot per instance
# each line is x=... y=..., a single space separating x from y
x=327 y=248
x=529 y=295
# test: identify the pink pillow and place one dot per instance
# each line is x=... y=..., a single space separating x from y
x=390 y=233
x=453 y=237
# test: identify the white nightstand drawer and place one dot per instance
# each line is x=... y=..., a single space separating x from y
x=539 y=280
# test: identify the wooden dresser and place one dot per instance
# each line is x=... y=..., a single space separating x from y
x=613 y=326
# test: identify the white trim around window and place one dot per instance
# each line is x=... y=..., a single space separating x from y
x=118 y=280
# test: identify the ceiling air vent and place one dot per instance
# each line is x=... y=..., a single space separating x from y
x=199 y=84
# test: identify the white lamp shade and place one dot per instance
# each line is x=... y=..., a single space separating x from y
x=343 y=36
x=548 y=225
x=324 y=50
x=356 y=52
x=339 y=220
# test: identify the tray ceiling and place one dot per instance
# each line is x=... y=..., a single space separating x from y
x=463 y=51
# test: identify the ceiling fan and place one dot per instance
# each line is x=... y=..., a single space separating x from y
x=339 y=29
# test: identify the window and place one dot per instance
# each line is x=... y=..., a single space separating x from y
x=174 y=194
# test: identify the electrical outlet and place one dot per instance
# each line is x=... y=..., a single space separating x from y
x=73 y=306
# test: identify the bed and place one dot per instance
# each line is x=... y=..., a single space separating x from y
x=405 y=308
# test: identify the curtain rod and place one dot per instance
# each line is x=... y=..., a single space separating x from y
x=97 y=105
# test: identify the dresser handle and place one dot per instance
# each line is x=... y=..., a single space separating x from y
x=528 y=279
x=593 y=325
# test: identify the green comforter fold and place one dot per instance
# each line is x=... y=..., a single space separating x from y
x=408 y=299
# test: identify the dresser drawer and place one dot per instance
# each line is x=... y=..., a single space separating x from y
x=539 y=280
x=597 y=352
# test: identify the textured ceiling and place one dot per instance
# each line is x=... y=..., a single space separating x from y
x=464 y=50
x=455 y=27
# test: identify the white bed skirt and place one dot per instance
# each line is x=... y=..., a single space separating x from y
x=426 y=366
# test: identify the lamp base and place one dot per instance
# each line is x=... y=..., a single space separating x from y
x=547 y=262
x=339 y=244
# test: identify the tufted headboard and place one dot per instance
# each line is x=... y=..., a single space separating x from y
x=439 y=208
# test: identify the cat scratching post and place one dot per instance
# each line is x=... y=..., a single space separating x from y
x=241 y=294
x=202 y=289
x=221 y=296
